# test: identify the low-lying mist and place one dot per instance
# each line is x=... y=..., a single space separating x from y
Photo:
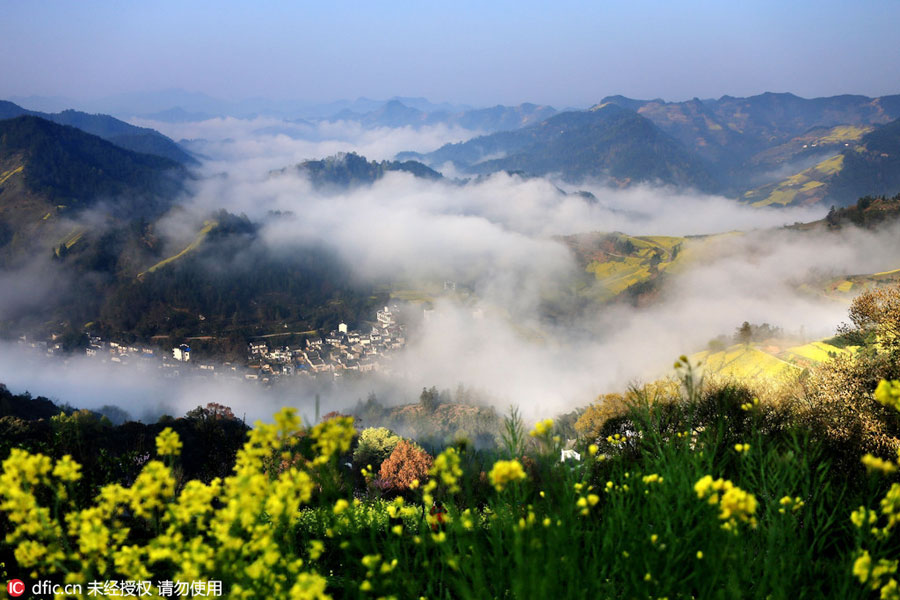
x=497 y=238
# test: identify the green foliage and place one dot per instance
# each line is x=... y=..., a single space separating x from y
x=513 y=434
x=351 y=169
x=375 y=444
x=77 y=168
x=120 y=133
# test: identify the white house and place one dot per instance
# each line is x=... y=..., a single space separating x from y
x=182 y=353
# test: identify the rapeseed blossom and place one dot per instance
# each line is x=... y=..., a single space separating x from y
x=542 y=428
x=888 y=393
x=873 y=463
x=332 y=437
x=792 y=504
x=235 y=530
x=734 y=503
x=505 y=472
x=168 y=443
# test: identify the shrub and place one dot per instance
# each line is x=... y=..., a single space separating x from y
x=375 y=445
x=408 y=462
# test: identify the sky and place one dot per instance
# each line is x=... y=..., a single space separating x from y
x=567 y=54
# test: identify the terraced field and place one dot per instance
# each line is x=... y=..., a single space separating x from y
x=806 y=187
x=201 y=235
x=845 y=288
x=7 y=174
x=619 y=261
x=744 y=362
x=770 y=360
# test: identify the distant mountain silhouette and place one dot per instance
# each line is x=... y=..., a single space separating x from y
x=120 y=133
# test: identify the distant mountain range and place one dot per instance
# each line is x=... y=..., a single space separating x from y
x=608 y=142
x=498 y=118
x=167 y=104
x=120 y=133
x=758 y=148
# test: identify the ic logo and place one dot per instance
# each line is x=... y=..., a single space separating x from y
x=15 y=588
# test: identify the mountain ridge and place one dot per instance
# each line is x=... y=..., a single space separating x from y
x=120 y=133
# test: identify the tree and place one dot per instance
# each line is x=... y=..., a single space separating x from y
x=878 y=311
x=429 y=399
x=744 y=333
x=406 y=463
x=375 y=445
x=213 y=411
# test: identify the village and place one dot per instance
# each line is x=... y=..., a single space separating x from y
x=341 y=352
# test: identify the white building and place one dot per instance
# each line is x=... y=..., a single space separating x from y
x=182 y=353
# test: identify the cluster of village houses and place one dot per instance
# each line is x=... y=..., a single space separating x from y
x=341 y=351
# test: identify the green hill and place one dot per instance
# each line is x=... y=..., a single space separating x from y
x=68 y=165
x=349 y=169
x=120 y=133
x=49 y=172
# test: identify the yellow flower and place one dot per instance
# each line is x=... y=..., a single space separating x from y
x=332 y=437
x=873 y=463
x=340 y=506
x=888 y=393
x=168 y=443
x=308 y=586
x=505 y=472
x=446 y=470
x=734 y=503
x=316 y=548
x=742 y=448
x=890 y=590
x=542 y=428
x=699 y=554
x=67 y=470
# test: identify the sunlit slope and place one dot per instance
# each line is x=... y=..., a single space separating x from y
x=806 y=187
x=847 y=287
x=201 y=235
x=867 y=165
x=818 y=141
x=770 y=360
x=617 y=262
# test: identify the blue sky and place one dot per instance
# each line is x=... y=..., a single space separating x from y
x=565 y=54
